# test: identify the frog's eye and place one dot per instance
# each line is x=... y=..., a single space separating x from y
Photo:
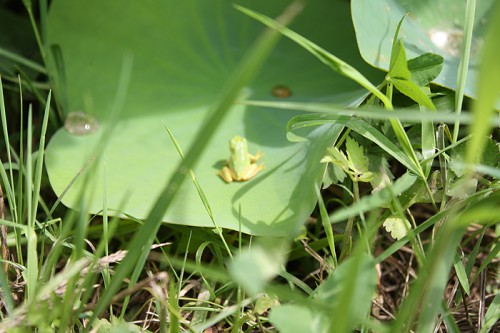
x=281 y=91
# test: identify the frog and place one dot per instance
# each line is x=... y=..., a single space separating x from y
x=241 y=165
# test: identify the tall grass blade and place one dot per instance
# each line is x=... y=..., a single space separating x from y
x=29 y=8
x=173 y=308
x=43 y=7
x=355 y=287
x=492 y=315
x=462 y=276
x=325 y=220
x=488 y=90
x=22 y=61
x=201 y=193
x=20 y=176
x=463 y=66
x=406 y=115
x=40 y=157
x=8 y=182
x=487 y=261
x=32 y=252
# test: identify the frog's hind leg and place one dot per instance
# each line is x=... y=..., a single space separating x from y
x=251 y=172
x=227 y=175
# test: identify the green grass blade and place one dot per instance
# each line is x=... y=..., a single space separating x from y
x=376 y=200
x=136 y=272
x=406 y=115
x=293 y=280
x=59 y=84
x=220 y=316
x=488 y=90
x=43 y=7
x=20 y=178
x=356 y=286
x=243 y=74
x=449 y=320
x=405 y=143
x=5 y=180
x=427 y=290
x=22 y=61
x=492 y=315
x=32 y=251
x=29 y=8
x=463 y=66
x=173 y=309
x=8 y=182
x=200 y=191
x=40 y=157
x=474 y=253
x=325 y=220
x=462 y=276
x=487 y=261
x=89 y=279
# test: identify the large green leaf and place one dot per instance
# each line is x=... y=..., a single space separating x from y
x=183 y=52
x=431 y=26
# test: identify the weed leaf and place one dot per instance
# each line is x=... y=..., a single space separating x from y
x=357 y=159
x=425 y=68
x=396 y=226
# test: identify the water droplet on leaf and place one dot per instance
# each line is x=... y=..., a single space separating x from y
x=80 y=123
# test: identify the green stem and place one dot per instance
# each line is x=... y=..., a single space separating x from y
x=347 y=239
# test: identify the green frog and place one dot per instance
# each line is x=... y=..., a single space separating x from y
x=241 y=165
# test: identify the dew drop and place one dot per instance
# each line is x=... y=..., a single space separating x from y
x=80 y=123
x=281 y=91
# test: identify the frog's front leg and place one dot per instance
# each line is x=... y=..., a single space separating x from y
x=254 y=158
